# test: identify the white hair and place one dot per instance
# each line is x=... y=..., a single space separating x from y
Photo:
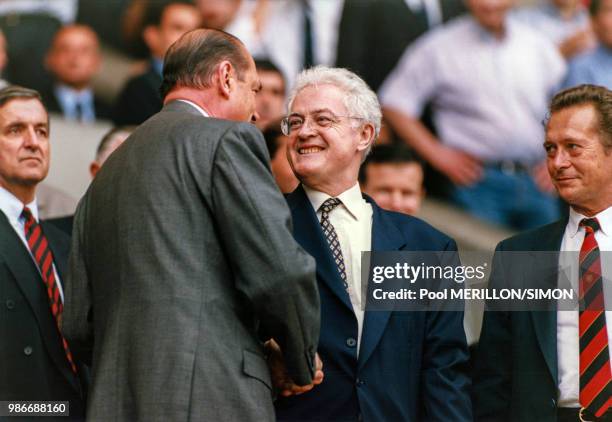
x=360 y=100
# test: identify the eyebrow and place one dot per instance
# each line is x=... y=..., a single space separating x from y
x=317 y=111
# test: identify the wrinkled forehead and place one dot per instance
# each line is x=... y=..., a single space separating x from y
x=318 y=98
x=26 y=110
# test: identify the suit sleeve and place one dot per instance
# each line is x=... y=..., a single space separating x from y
x=492 y=364
x=77 y=324
x=272 y=271
x=446 y=382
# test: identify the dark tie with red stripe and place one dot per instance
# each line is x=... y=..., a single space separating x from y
x=595 y=379
x=37 y=242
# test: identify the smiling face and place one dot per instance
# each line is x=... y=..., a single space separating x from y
x=579 y=164
x=24 y=145
x=326 y=150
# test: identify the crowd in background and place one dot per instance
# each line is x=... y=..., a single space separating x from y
x=464 y=85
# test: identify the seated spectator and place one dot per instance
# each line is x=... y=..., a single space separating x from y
x=109 y=143
x=595 y=66
x=73 y=60
x=393 y=177
x=140 y=97
x=564 y=22
x=489 y=79
x=271 y=98
x=277 y=147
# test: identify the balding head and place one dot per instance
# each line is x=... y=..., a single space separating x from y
x=74 y=56
x=193 y=59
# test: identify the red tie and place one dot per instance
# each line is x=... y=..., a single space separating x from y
x=37 y=242
x=595 y=379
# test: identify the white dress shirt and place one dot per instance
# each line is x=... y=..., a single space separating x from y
x=197 y=107
x=12 y=208
x=353 y=224
x=568 y=349
x=489 y=95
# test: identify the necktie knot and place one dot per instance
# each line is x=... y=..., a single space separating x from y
x=329 y=205
x=591 y=225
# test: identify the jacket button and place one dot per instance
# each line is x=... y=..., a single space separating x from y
x=10 y=304
x=27 y=351
x=351 y=342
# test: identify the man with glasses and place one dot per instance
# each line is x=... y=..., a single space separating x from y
x=379 y=365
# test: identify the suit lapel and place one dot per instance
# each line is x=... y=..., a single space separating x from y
x=544 y=270
x=307 y=232
x=20 y=264
x=385 y=237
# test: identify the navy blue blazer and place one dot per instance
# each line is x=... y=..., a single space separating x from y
x=515 y=365
x=412 y=366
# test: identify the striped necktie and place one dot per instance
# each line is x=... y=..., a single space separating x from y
x=39 y=247
x=595 y=379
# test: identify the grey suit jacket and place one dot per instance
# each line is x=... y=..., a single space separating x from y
x=182 y=256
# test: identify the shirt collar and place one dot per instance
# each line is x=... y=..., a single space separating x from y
x=13 y=207
x=604 y=218
x=352 y=200
x=72 y=96
x=197 y=107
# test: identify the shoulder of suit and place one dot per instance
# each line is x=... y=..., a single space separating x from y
x=411 y=226
x=531 y=238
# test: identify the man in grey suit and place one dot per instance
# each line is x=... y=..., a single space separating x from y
x=183 y=259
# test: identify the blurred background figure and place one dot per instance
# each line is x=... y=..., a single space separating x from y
x=3 y=59
x=29 y=26
x=489 y=79
x=564 y=22
x=109 y=143
x=393 y=177
x=270 y=100
x=140 y=98
x=277 y=148
x=367 y=26
x=595 y=66
x=73 y=60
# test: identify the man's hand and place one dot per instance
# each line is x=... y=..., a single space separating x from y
x=578 y=42
x=460 y=167
x=278 y=372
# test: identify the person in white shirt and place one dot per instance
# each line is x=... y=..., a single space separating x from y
x=333 y=120
x=35 y=361
x=554 y=364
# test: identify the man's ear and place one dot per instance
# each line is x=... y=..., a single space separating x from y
x=367 y=134
x=225 y=75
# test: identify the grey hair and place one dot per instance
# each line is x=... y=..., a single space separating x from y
x=360 y=100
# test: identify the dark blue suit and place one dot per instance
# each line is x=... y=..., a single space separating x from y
x=412 y=366
x=515 y=374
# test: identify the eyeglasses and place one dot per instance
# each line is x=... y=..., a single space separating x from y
x=320 y=121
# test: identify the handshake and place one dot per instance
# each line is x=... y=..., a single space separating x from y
x=278 y=372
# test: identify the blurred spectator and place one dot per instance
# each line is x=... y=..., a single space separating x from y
x=3 y=59
x=271 y=98
x=63 y=10
x=595 y=67
x=367 y=26
x=393 y=177
x=564 y=22
x=489 y=78
x=109 y=143
x=140 y=97
x=219 y=14
x=73 y=60
x=277 y=147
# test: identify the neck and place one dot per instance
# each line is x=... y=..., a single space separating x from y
x=591 y=211
x=568 y=11
x=199 y=97
x=331 y=189
x=77 y=87
x=25 y=193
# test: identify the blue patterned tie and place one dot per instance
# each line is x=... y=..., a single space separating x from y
x=332 y=237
